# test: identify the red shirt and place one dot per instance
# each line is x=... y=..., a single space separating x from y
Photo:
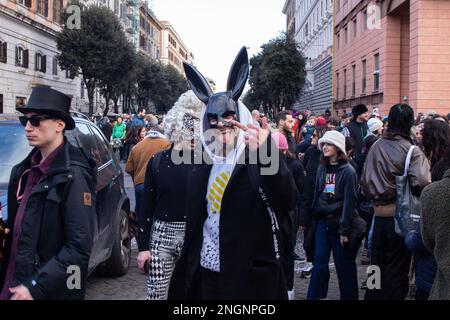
x=36 y=172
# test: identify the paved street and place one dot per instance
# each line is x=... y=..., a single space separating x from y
x=132 y=286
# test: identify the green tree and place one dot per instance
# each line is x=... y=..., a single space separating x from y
x=95 y=50
x=174 y=85
x=277 y=75
x=116 y=82
x=159 y=84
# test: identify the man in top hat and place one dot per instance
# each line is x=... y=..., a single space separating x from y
x=51 y=207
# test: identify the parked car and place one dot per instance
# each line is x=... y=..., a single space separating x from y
x=111 y=251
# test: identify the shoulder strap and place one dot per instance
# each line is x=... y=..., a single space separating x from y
x=255 y=180
x=408 y=159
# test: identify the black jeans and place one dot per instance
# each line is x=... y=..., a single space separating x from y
x=309 y=236
x=368 y=217
x=390 y=254
x=210 y=284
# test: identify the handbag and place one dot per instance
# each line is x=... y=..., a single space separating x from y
x=357 y=232
x=116 y=143
x=407 y=211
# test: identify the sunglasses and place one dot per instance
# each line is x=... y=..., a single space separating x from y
x=35 y=120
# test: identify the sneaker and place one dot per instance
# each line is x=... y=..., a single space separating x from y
x=365 y=261
x=363 y=285
x=298 y=258
x=134 y=244
x=306 y=271
x=291 y=294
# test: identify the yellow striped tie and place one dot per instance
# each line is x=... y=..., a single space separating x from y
x=215 y=192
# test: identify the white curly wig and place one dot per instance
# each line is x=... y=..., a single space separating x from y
x=187 y=104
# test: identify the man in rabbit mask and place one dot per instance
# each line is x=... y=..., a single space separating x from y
x=232 y=245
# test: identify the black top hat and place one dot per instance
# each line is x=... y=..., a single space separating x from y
x=51 y=102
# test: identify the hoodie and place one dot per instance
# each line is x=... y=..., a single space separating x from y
x=218 y=180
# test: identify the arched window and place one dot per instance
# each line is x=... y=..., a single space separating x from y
x=40 y=62
x=21 y=56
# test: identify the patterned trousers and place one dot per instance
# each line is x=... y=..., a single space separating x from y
x=165 y=247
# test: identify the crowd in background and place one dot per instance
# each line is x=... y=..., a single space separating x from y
x=339 y=180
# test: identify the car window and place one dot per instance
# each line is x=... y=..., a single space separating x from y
x=13 y=149
x=89 y=143
x=71 y=137
x=101 y=145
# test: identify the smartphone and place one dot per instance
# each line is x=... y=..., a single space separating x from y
x=146 y=266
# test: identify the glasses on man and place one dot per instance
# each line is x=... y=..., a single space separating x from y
x=35 y=120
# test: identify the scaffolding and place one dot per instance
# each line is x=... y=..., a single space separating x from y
x=133 y=20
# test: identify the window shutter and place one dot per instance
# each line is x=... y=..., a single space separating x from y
x=46 y=8
x=55 y=67
x=17 y=56
x=25 y=58
x=4 y=52
x=36 y=62
x=44 y=64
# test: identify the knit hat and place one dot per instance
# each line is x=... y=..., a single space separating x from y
x=335 y=138
x=321 y=122
x=374 y=124
x=359 y=110
x=280 y=140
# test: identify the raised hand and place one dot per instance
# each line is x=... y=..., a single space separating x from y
x=255 y=137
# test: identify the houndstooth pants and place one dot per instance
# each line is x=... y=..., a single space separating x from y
x=165 y=246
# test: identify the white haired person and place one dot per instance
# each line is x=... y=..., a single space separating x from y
x=162 y=222
x=335 y=204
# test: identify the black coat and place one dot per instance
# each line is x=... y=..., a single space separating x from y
x=345 y=203
x=299 y=175
x=57 y=228
x=248 y=268
x=311 y=163
x=358 y=131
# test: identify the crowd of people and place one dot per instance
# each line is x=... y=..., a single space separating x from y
x=222 y=195
x=344 y=173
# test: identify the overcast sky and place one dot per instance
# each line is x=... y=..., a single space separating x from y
x=215 y=30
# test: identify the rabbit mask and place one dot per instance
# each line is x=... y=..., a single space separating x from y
x=223 y=104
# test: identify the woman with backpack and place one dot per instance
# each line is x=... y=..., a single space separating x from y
x=162 y=221
x=335 y=206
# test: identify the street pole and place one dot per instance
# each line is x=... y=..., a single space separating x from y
x=333 y=111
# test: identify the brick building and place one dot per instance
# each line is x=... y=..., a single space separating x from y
x=391 y=51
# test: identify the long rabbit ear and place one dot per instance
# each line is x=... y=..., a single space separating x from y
x=198 y=83
x=238 y=74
